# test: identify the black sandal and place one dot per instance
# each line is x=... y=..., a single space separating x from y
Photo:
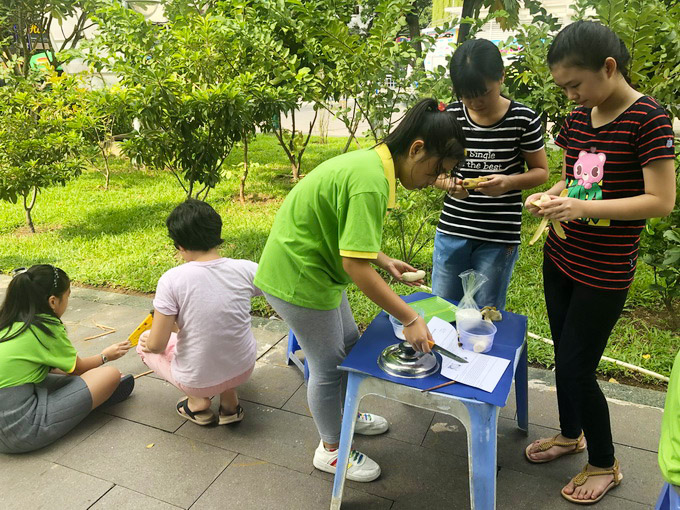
x=122 y=391
x=205 y=417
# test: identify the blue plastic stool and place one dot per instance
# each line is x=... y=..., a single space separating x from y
x=293 y=347
x=669 y=499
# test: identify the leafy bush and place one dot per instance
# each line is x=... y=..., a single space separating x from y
x=41 y=142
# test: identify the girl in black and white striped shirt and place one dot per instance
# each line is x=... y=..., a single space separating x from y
x=479 y=228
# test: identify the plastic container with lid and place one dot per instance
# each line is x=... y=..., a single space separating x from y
x=476 y=335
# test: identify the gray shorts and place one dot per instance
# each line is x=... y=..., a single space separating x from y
x=35 y=415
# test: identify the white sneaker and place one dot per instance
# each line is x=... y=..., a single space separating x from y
x=360 y=468
x=368 y=424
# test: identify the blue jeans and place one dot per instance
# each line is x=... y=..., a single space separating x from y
x=454 y=254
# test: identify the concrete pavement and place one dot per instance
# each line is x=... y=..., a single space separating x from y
x=141 y=454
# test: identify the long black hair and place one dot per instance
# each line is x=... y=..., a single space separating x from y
x=27 y=299
x=587 y=44
x=440 y=131
x=475 y=62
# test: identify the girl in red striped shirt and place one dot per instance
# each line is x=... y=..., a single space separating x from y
x=618 y=170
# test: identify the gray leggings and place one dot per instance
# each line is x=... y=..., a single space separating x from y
x=326 y=337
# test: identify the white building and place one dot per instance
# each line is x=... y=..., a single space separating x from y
x=61 y=31
x=492 y=30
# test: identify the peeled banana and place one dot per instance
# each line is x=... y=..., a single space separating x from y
x=413 y=276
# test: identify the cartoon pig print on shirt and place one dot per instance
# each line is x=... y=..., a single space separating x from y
x=589 y=168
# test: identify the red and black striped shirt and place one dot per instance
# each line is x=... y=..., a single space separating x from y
x=603 y=164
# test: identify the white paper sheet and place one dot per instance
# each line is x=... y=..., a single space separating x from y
x=481 y=371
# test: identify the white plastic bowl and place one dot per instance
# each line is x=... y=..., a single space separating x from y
x=476 y=336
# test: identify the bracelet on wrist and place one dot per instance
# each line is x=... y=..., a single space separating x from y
x=104 y=358
x=412 y=321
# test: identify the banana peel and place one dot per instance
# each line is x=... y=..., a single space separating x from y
x=491 y=314
x=473 y=182
x=544 y=222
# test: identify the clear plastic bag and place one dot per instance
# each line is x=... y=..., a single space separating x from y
x=472 y=281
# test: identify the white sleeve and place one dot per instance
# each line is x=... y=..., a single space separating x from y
x=165 y=300
x=251 y=269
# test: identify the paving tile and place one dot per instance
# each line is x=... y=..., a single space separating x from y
x=285 y=489
x=407 y=423
x=131 y=363
x=92 y=422
x=274 y=325
x=176 y=470
x=298 y=402
x=120 y=498
x=518 y=490
x=642 y=482
x=409 y=470
x=266 y=339
x=277 y=355
x=543 y=412
x=152 y=403
x=271 y=385
x=30 y=483
x=268 y=434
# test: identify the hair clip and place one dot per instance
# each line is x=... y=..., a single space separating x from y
x=56 y=277
x=442 y=106
x=18 y=271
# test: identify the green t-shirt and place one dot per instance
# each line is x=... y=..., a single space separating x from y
x=669 y=444
x=29 y=357
x=337 y=210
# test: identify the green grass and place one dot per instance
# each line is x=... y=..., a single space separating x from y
x=117 y=239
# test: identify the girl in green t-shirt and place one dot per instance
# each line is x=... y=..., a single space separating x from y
x=36 y=406
x=328 y=233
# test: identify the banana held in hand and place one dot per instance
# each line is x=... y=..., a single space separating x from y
x=473 y=182
x=413 y=276
x=544 y=222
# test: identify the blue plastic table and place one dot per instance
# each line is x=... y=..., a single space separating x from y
x=475 y=408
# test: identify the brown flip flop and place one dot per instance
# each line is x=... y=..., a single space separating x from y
x=199 y=417
x=582 y=478
x=545 y=446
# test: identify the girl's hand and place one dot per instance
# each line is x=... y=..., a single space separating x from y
x=143 y=338
x=418 y=335
x=564 y=209
x=396 y=267
x=115 y=351
x=529 y=204
x=456 y=190
x=496 y=186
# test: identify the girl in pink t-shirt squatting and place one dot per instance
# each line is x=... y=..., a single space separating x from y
x=200 y=340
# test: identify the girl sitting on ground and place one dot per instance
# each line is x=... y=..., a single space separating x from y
x=200 y=339
x=38 y=407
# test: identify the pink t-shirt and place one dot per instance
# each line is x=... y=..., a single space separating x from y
x=212 y=303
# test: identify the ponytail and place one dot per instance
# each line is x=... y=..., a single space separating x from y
x=27 y=299
x=439 y=129
x=588 y=44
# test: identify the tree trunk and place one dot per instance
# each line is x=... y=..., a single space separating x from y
x=413 y=21
x=28 y=208
x=469 y=7
x=242 y=187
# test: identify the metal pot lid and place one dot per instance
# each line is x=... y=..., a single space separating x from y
x=401 y=360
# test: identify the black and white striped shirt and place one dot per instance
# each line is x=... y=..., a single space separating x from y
x=493 y=149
